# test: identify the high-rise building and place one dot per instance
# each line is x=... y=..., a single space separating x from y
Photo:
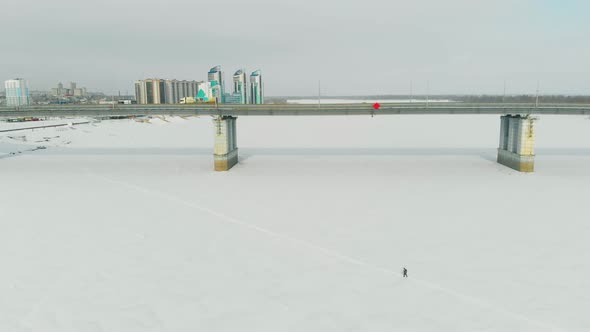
x=59 y=91
x=72 y=91
x=17 y=92
x=158 y=91
x=79 y=92
x=192 y=89
x=140 y=92
x=171 y=91
x=150 y=91
x=256 y=88
x=215 y=77
x=240 y=88
x=159 y=95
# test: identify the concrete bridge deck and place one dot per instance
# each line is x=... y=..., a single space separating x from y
x=292 y=109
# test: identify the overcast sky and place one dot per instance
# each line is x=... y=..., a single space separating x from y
x=353 y=47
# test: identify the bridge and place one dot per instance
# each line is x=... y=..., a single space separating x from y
x=517 y=130
x=291 y=109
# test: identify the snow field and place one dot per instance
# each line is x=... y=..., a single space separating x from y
x=127 y=228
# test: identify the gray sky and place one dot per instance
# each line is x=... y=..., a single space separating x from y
x=354 y=47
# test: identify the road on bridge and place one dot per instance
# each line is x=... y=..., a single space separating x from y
x=291 y=109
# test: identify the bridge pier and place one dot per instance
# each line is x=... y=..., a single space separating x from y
x=226 y=149
x=517 y=142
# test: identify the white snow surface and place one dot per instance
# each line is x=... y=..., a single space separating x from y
x=124 y=226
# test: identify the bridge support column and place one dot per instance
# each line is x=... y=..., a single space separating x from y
x=226 y=149
x=517 y=142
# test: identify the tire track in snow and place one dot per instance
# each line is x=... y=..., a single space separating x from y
x=332 y=253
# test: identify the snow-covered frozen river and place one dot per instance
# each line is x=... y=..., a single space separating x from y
x=123 y=226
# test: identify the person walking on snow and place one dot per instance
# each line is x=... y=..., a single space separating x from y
x=405 y=272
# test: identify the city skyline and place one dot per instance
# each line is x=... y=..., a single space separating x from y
x=172 y=91
x=354 y=48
